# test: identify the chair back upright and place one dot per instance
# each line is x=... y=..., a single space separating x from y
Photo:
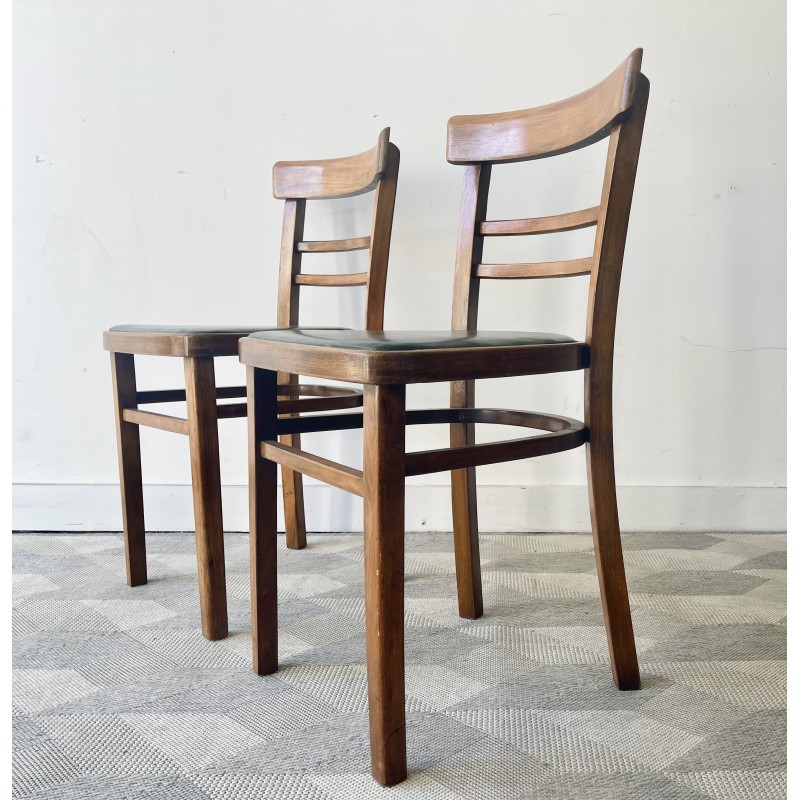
x=299 y=181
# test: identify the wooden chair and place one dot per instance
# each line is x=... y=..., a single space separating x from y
x=386 y=362
x=294 y=182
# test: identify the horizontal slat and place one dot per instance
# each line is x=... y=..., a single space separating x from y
x=334 y=245
x=450 y=458
x=232 y=410
x=152 y=420
x=573 y=221
x=543 y=269
x=347 y=478
x=354 y=279
x=179 y=395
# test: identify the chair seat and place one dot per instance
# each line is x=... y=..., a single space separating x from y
x=415 y=356
x=180 y=340
x=406 y=340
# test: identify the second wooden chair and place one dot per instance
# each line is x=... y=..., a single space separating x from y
x=295 y=182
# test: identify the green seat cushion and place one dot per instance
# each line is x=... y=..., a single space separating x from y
x=406 y=340
x=188 y=330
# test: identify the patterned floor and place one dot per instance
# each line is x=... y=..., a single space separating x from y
x=117 y=695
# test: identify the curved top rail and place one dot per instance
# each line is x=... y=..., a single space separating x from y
x=331 y=178
x=546 y=130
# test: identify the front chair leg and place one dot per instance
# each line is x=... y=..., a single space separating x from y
x=384 y=478
x=465 y=511
x=123 y=377
x=263 y=480
x=201 y=409
x=608 y=546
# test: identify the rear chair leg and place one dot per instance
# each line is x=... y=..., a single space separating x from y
x=123 y=377
x=201 y=406
x=608 y=550
x=465 y=511
x=293 y=505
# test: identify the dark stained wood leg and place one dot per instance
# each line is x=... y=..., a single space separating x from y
x=201 y=406
x=293 y=506
x=123 y=377
x=465 y=511
x=384 y=479
x=607 y=543
x=261 y=417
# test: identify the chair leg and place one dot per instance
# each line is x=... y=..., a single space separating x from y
x=123 y=377
x=384 y=475
x=201 y=406
x=608 y=548
x=293 y=506
x=261 y=417
x=465 y=511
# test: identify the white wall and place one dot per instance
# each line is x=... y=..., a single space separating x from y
x=144 y=135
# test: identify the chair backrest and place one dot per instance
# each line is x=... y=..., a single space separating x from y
x=615 y=108
x=299 y=181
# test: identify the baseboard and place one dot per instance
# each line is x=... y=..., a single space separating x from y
x=95 y=507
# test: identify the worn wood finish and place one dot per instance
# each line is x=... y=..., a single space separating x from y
x=463 y=482
x=198 y=345
x=331 y=178
x=546 y=130
x=150 y=419
x=618 y=105
x=288 y=315
x=416 y=366
x=543 y=269
x=600 y=332
x=201 y=408
x=178 y=345
x=573 y=221
x=334 y=245
x=380 y=239
x=347 y=478
x=350 y=279
x=123 y=381
x=384 y=460
x=263 y=493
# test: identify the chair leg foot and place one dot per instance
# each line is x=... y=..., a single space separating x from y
x=610 y=564
x=207 y=495
x=123 y=378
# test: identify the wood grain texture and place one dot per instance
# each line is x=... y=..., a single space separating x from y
x=150 y=419
x=334 y=245
x=542 y=269
x=384 y=455
x=178 y=345
x=331 y=178
x=201 y=407
x=573 y=221
x=466 y=288
x=288 y=315
x=380 y=240
x=338 y=475
x=618 y=186
x=263 y=493
x=416 y=366
x=546 y=130
x=123 y=382
x=346 y=279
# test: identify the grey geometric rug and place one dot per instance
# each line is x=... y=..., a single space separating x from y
x=117 y=695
